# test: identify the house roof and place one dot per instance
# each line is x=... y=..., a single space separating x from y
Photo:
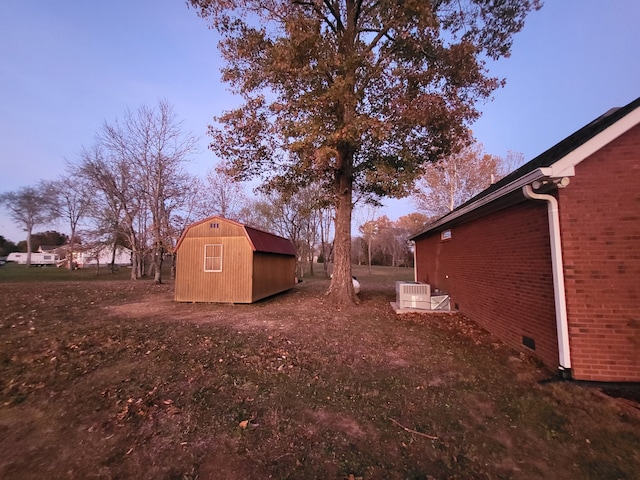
x=259 y=240
x=557 y=162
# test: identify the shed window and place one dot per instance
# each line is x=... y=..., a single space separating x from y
x=213 y=258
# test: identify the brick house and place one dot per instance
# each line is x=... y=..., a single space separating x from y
x=548 y=258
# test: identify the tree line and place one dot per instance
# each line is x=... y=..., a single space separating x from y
x=130 y=189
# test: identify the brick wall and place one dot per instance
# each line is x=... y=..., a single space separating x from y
x=498 y=272
x=600 y=220
x=498 y=268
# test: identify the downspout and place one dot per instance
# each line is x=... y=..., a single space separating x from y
x=415 y=264
x=562 y=324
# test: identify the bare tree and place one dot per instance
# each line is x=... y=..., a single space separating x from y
x=29 y=207
x=223 y=195
x=369 y=230
x=137 y=165
x=116 y=203
x=71 y=197
x=455 y=179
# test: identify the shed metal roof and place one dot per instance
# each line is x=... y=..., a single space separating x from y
x=268 y=242
x=260 y=240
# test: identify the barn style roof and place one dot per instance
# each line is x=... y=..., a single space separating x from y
x=268 y=242
x=260 y=240
x=557 y=162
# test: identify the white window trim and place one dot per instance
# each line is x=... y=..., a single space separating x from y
x=206 y=257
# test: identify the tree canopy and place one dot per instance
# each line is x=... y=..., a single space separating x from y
x=354 y=94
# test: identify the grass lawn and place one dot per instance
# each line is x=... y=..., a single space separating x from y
x=103 y=377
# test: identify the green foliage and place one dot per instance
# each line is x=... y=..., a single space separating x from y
x=49 y=238
x=7 y=246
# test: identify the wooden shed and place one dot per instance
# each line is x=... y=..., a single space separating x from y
x=220 y=260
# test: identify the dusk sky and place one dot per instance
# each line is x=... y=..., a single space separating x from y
x=68 y=66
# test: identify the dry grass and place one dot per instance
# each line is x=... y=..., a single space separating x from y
x=111 y=379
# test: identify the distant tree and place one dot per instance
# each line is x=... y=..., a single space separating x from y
x=259 y=212
x=354 y=94
x=136 y=170
x=326 y=215
x=413 y=223
x=152 y=141
x=508 y=164
x=406 y=227
x=7 y=246
x=71 y=200
x=368 y=230
x=115 y=200
x=50 y=238
x=222 y=194
x=452 y=181
x=28 y=207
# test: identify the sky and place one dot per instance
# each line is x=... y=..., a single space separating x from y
x=66 y=67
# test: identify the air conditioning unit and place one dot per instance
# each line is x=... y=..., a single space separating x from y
x=413 y=295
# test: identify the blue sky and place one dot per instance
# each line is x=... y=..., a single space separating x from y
x=68 y=66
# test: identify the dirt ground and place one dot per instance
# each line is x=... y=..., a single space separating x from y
x=114 y=380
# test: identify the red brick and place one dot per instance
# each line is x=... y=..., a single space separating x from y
x=498 y=268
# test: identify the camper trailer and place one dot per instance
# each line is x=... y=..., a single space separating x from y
x=36 y=258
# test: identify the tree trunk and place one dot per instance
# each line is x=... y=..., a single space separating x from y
x=28 y=261
x=341 y=288
x=157 y=264
x=135 y=265
x=70 y=251
x=173 y=264
x=112 y=263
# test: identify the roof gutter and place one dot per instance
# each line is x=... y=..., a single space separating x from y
x=534 y=175
x=562 y=324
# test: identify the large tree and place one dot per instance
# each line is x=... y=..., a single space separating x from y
x=357 y=94
x=136 y=171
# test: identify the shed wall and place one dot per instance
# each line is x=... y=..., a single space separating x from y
x=232 y=285
x=497 y=270
x=600 y=221
x=272 y=273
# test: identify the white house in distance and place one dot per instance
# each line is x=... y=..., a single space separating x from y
x=101 y=257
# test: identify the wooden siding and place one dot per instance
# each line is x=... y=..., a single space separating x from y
x=272 y=274
x=232 y=285
x=246 y=275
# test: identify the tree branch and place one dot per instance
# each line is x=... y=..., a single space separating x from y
x=431 y=437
